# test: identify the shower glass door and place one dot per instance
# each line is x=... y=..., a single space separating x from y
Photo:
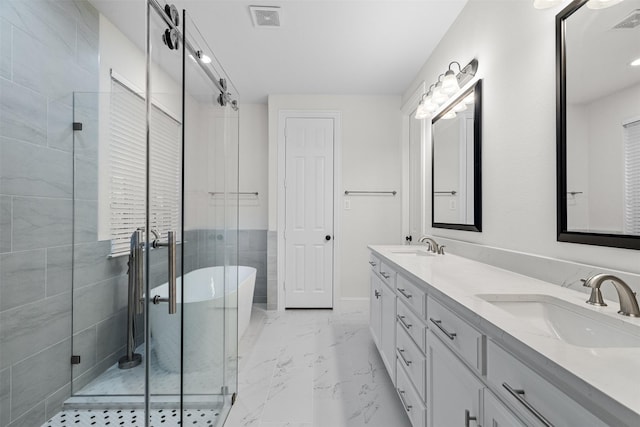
x=191 y=337
x=155 y=233
x=211 y=229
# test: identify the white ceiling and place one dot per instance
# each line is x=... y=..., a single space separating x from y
x=373 y=47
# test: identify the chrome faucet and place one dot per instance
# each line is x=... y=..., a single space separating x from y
x=628 y=302
x=432 y=245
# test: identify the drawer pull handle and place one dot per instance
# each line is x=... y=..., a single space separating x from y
x=372 y=264
x=405 y=324
x=468 y=418
x=404 y=403
x=519 y=396
x=385 y=275
x=376 y=293
x=406 y=362
x=404 y=293
x=438 y=323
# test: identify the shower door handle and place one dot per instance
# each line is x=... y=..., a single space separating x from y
x=172 y=282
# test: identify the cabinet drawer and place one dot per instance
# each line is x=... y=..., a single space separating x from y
x=411 y=359
x=388 y=274
x=374 y=263
x=458 y=334
x=411 y=323
x=532 y=396
x=411 y=295
x=410 y=400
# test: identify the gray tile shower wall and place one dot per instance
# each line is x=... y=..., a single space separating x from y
x=252 y=252
x=48 y=51
x=272 y=270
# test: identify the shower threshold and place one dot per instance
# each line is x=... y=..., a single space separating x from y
x=212 y=402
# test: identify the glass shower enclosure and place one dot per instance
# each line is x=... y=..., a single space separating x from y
x=154 y=294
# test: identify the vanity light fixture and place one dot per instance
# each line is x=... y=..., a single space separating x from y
x=426 y=106
x=635 y=62
x=439 y=96
x=448 y=84
x=421 y=111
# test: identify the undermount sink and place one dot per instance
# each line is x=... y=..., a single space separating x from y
x=567 y=322
x=414 y=252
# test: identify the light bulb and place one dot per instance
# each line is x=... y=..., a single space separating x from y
x=602 y=4
x=429 y=105
x=635 y=62
x=450 y=83
x=449 y=115
x=545 y=4
x=438 y=96
x=421 y=112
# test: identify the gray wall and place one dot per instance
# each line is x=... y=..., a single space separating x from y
x=252 y=252
x=48 y=49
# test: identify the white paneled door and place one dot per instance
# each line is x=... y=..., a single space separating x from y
x=309 y=146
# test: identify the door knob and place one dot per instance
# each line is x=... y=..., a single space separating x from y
x=327 y=237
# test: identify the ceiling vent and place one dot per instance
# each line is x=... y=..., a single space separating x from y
x=630 y=22
x=265 y=16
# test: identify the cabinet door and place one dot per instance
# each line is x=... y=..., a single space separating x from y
x=497 y=415
x=453 y=392
x=388 y=330
x=375 y=307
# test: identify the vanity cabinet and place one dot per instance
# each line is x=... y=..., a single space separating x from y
x=535 y=399
x=448 y=371
x=375 y=309
x=388 y=330
x=454 y=394
x=382 y=314
x=411 y=400
x=463 y=339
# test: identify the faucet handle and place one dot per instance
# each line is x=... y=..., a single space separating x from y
x=441 y=250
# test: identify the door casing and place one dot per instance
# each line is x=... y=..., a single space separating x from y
x=337 y=197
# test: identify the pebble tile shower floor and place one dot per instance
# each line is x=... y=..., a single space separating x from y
x=131 y=417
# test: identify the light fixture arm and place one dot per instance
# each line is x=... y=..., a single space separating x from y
x=456 y=63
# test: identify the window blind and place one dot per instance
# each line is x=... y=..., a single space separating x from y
x=128 y=168
x=632 y=178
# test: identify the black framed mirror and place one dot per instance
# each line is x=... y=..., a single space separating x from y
x=456 y=175
x=598 y=124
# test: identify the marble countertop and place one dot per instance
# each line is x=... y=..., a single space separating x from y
x=604 y=380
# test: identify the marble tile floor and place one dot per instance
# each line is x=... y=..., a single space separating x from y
x=313 y=368
x=297 y=368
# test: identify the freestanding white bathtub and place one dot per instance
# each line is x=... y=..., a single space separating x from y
x=208 y=317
